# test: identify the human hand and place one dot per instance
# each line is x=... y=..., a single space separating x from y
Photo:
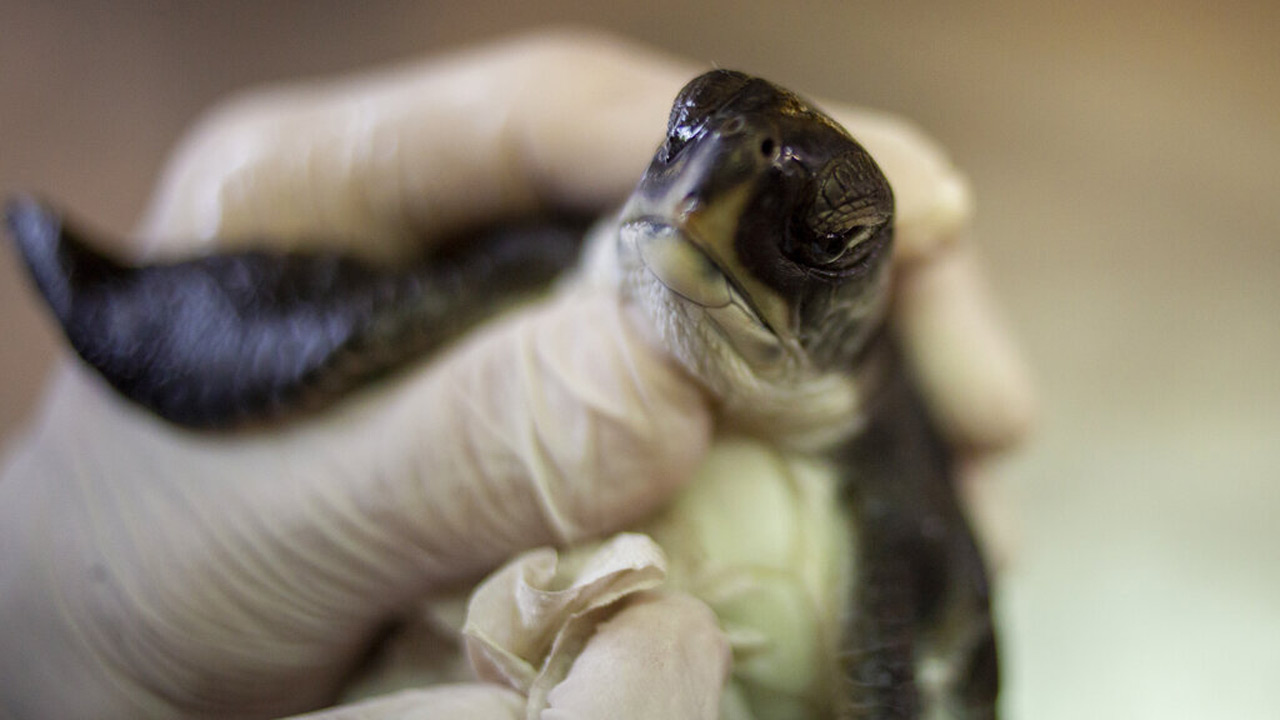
x=159 y=572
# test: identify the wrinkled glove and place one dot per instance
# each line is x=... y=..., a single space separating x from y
x=148 y=571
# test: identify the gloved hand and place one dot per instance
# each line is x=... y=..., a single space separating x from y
x=148 y=571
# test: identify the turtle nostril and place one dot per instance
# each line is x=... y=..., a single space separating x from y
x=767 y=146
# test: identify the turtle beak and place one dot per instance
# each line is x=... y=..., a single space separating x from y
x=682 y=266
x=685 y=216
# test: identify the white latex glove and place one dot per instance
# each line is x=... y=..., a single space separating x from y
x=147 y=571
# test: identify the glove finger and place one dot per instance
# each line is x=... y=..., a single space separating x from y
x=662 y=656
x=383 y=162
x=481 y=702
x=989 y=506
x=978 y=387
x=556 y=424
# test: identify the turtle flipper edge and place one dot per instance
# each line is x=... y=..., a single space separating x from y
x=247 y=336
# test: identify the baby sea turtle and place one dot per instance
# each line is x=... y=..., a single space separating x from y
x=758 y=246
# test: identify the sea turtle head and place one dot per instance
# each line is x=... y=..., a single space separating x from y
x=758 y=242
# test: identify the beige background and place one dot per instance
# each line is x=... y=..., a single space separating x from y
x=1125 y=156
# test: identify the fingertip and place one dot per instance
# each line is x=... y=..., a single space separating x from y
x=974 y=378
x=663 y=655
x=952 y=205
x=934 y=206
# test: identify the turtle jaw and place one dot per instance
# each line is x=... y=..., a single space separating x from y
x=682 y=225
x=679 y=265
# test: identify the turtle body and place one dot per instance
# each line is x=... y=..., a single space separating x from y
x=757 y=245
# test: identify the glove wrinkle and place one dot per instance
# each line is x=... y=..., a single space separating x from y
x=527 y=623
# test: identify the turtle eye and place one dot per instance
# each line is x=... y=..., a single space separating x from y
x=829 y=249
x=832 y=251
x=851 y=207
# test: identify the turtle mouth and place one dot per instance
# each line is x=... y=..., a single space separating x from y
x=672 y=257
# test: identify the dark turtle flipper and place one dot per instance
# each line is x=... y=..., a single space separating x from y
x=921 y=638
x=246 y=336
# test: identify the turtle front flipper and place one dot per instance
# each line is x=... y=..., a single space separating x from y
x=921 y=640
x=246 y=336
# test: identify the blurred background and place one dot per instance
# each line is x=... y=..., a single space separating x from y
x=1126 y=160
